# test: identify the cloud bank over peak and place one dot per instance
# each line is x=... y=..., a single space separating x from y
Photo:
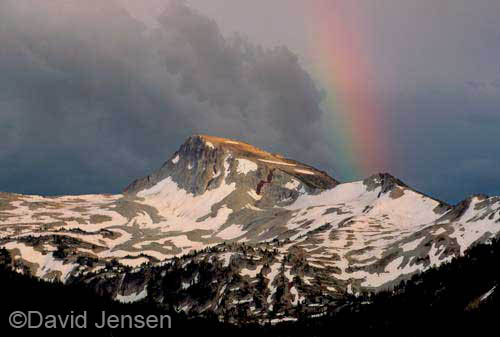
x=91 y=97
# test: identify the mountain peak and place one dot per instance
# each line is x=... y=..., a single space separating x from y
x=246 y=214
x=203 y=162
x=233 y=145
x=389 y=183
x=386 y=180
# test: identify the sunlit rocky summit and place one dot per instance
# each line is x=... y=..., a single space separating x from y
x=224 y=226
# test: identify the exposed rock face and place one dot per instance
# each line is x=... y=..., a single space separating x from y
x=224 y=227
x=199 y=163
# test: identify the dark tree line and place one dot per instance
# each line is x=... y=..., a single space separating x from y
x=442 y=301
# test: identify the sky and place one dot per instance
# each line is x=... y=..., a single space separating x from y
x=98 y=93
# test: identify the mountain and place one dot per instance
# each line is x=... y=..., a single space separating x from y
x=228 y=229
x=436 y=298
x=459 y=298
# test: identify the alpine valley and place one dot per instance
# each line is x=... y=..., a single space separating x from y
x=229 y=230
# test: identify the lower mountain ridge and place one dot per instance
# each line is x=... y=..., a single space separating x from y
x=229 y=230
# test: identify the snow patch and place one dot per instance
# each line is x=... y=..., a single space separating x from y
x=253 y=208
x=276 y=162
x=292 y=185
x=182 y=209
x=254 y=195
x=132 y=297
x=226 y=258
x=46 y=263
x=246 y=166
x=412 y=245
x=471 y=227
x=488 y=294
x=231 y=232
x=134 y=262
x=304 y=171
x=271 y=276
x=250 y=273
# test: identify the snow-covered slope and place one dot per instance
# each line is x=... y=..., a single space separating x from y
x=320 y=235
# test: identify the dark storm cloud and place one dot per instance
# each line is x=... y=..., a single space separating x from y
x=447 y=144
x=436 y=70
x=91 y=98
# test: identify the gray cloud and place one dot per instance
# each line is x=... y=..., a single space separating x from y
x=91 y=98
x=436 y=70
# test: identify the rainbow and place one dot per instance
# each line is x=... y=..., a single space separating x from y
x=341 y=63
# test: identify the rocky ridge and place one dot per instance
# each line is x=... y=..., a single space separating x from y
x=225 y=228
